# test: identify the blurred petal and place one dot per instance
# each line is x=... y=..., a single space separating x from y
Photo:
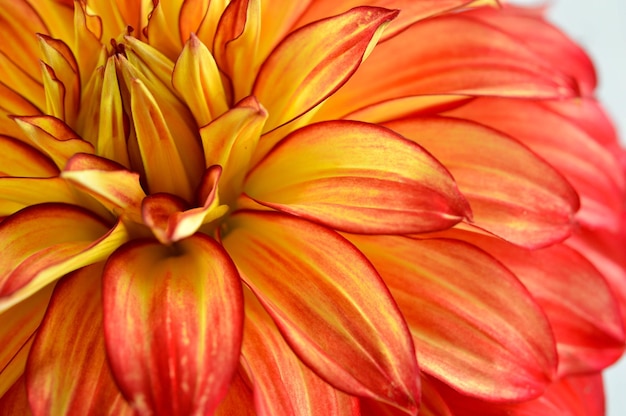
x=588 y=329
x=239 y=400
x=15 y=400
x=35 y=256
x=513 y=193
x=347 y=328
x=473 y=323
x=173 y=322
x=69 y=377
x=18 y=193
x=359 y=178
x=282 y=384
x=311 y=63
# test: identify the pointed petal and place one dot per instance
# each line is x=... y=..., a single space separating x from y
x=313 y=62
x=165 y=170
x=230 y=140
x=588 y=329
x=67 y=371
x=282 y=384
x=329 y=304
x=173 y=321
x=359 y=178
x=236 y=39
x=53 y=137
x=473 y=323
x=197 y=79
x=35 y=256
x=513 y=193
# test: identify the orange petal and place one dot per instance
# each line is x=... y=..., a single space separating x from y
x=35 y=256
x=239 y=400
x=588 y=165
x=282 y=384
x=571 y=396
x=461 y=56
x=329 y=304
x=173 y=321
x=20 y=159
x=230 y=140
x=67 y=370
x=473 y=323
x=313 y=62
x=15 y=400
x=18 y=193
x=196 y=78
x=236 y=39
x=359 y=178
x=543 y=39
x=53 y=137
x=412 y=11
x=588 y=329
x=513 y=193
x=114 y=187
x=19 y=324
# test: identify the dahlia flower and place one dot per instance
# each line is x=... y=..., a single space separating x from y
x=323 y=207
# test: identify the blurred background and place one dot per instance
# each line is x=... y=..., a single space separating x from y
x=600 y=27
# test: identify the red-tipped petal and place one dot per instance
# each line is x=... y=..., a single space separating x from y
x=314 y=61
x=473 y=323
x=173 y=319
x=282 y=384
x=53 y=137
x=513 y=193
x=67 y=370
x=359 y=178
x=47 y=241
x=329 y=303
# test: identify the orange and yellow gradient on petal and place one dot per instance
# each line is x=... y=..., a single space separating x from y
x=267 y=207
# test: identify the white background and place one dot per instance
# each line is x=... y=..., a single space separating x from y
x=600 y=27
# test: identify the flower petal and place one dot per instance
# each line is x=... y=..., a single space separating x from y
x=329 y=304
x=589 y=166
x=196 y=78
x=236 y=39
x=359 y=178
x=513 y=193
x=452 y=54
x=173 y=321
x=67 y=370
x=588 y=329
x=18 y=193
x=15 y=400
x=53 y=137
x=35 y=256
x=282 y=384
x=473 y=323
x=20 y=159
x=314 y=61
